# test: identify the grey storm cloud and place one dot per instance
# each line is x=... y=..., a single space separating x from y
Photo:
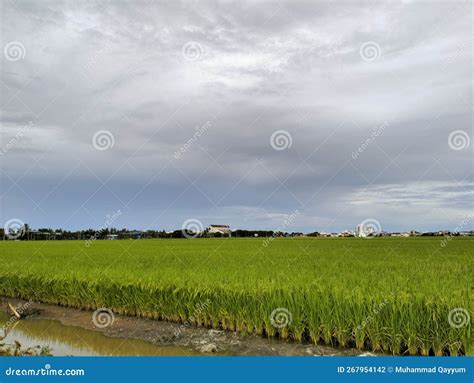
x=190 y=95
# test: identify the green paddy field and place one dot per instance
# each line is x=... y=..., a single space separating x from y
x=409 y=296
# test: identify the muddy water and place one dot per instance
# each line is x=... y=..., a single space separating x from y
x=70 y=340
x=69 y=331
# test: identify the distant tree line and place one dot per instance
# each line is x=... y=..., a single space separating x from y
x=26 y=233
x=59 y=234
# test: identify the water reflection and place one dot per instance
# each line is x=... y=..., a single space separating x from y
x=69 y=340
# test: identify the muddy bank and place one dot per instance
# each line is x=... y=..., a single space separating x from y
x=140 y=336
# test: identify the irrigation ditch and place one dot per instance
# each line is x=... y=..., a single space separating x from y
x=68 y=331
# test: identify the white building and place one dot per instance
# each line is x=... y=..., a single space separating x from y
x=359 y=231
x=364 y=230
x=346 y=233
x=219 y=229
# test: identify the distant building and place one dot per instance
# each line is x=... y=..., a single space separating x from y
x=346 y=233
x=112 y=236
x=134 y=234
x=364 y=231
x=219 y=229
x=42 y=235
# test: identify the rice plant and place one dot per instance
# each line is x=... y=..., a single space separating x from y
x=390 y=295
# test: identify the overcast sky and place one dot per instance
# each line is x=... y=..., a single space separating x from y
x=237 y=112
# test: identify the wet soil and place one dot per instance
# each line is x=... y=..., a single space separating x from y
x=69 y=331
